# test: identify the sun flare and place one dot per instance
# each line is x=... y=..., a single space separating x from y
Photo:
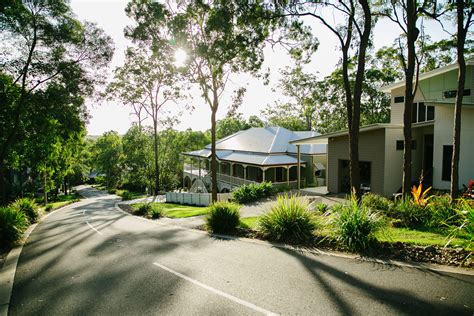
x=180 y=57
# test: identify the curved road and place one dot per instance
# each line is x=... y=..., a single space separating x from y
x=90 y=258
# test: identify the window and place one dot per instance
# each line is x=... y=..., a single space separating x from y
x=401 y=145
x=399 y=99
x=452 y=93
x=447 y=157
x=422 y=113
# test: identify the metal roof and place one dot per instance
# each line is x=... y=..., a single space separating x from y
x=268 y=140
x=262 y=160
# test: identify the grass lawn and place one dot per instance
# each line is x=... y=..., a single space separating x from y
x=421 y=238
x=177 y=210
x=249 y=222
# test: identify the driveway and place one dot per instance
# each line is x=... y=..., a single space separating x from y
x=90 y=258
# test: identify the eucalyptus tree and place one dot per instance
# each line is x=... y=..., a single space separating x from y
x=407 y=14
x=149 y=82
x=42 y=43
x=108 y=157
x=220 y=38
x=464 y=12
x=353 y=36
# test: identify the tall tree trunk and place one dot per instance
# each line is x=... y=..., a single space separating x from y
x=155 y=147
x=3 y=193
x=45 y=193
x=412 y=35
x=213 y=155
x=461 y=38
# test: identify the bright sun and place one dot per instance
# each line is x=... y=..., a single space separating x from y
x=179 y=57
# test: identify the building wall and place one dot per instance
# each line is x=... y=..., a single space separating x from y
x=434 y=87
x=371 y=148
x=396 y=109
x=393 y=168
x=418 y=134
x=443 y=130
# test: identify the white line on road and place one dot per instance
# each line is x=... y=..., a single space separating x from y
x=88 y=224
x=216 y=291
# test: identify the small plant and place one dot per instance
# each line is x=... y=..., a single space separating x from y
x=12 y=225
x=355 y=226
x=289 y=220
x=112 y=191
x=409 y=213
x=252 y=192
x=155 y=212
x=224 y=217
x=143 y=209
x=28 y=207
x=376 y=202
x=48 y=208
x=420 y=197
x=321 y=208
x=127 y=195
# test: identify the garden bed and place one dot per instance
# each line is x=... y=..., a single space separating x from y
x=171 y=210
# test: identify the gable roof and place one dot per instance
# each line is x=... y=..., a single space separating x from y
x=267 y=140
x=426 y=75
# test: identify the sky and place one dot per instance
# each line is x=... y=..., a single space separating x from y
x=110 y=16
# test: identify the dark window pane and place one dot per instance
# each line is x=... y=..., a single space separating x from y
x=450 y=94
x=421 y=112
x=430 y=113
x=399 y=144
x=413 y=144
x=447 y=156
x=467 y=92
x=414 y=113
x=399 y=99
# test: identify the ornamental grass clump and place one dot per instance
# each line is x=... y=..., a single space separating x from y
x=12 y=225
x=355 y=226
x=155 y=212
x=290 y=220
x=224 y=217
x=143 y=209
x=376 y=202
x=29 y=208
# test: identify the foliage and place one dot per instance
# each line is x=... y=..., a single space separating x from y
x=29 y=208
x=289 y=221
x=143 y=209
x=321 y=208
x=376 y=202
x=355 y=226
x=252 y=192
x=234 y=123
x=48 y=208
x=155 y=212
x=465 y=226
x=223 y=217
x=108 y=156
x=409 y=213
x=420 y=197
x=127 y=195
x=12 y=225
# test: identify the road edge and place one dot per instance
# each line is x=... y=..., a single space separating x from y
x=8 y=271
x=401 y=264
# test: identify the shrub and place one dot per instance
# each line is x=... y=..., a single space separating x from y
x=376 y=202
x=112 y=191
x=355 y=226
x=224 y=217
x=289 y=220
x=48 y=208
x=28 y=207
x=321 y=208
x=143 y=209
x=252 y=192
x=442 y=212
x=12 y=225
x=155 y=212
x=409 y=213
x=465 y=228
x=127 y=195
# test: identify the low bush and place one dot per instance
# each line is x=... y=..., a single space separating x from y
x=143 y=209
x=12 y=225
x=29 y=208
x=355 y=226
x=155 y=212
x=224 y=217
x=112 y=191
x=48 y=207
x=290 y=220
x=252 y=192
x=376 y=202
x=321 y=208
x=410 y=214
x=127 y=195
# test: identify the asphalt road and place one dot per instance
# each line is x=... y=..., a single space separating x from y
x=90 y=259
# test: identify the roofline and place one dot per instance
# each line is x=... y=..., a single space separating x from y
x=426 y=75
x=321 y=138
x=278 y=164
